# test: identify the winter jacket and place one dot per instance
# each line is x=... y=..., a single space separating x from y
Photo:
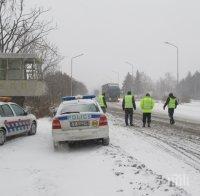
x=133 y=103
x=168 y=100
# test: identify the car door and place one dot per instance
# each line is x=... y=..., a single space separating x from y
x=22 y=121
x=8 y=119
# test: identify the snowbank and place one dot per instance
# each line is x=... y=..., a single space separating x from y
x=188 y=111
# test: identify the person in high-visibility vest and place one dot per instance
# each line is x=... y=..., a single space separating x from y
x=102 y=102
x=146 y=105
x=128 y=104
x=172 y=103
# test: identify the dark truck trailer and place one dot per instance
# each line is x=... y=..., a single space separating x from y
x=112 y=92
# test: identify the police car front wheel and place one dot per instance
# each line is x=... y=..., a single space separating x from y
x=33 y=129
x=2 y=137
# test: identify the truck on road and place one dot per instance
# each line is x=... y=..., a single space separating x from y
x=112 y=91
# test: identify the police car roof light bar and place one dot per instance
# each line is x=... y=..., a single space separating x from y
x=88 y=97
x=68 y=98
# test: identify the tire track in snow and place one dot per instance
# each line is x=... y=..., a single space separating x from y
x=184 y=144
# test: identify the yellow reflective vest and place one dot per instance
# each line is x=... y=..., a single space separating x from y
x=128 y=99
x=101 y=101
x=172 y=103
x=147 y=104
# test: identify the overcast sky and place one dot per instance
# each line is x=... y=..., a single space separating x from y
x=110 y=32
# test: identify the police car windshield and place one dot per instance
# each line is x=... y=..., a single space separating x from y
x=77 y=108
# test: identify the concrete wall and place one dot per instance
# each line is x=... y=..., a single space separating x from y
x=22 y=88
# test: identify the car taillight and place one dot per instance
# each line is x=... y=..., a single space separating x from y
x=56 y=124
x=103 y=121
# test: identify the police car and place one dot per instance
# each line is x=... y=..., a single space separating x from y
x=79 y=118
x=15 y=120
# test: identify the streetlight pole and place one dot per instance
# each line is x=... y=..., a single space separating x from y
x=72 y=71
x=130 y=65
x=177 y=59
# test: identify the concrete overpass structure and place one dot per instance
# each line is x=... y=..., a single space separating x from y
x=21 y=75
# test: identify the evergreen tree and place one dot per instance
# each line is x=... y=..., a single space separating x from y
x=138 y=89
x=190 y=86
x=128 y=83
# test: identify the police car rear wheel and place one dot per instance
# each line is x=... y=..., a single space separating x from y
x=105 y=141
x=2 y=137
x=33 y=129
x=56 y=146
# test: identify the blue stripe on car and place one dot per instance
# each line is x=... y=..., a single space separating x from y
x=63 y=118
x=95 y=116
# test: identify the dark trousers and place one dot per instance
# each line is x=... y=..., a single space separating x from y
x=104 y=109
x=129 y=116
x=171 y=115
x=146 y=118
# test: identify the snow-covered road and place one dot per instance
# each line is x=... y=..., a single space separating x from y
x=134 y=164
x=188 y=112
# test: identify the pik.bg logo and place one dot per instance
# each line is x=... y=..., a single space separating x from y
x=179 y=179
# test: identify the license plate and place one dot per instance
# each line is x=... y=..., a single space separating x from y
x=79 y=124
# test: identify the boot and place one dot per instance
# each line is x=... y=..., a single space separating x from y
x=149 y=125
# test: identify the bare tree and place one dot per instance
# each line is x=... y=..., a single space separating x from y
x=24 y=31
x=20 y=29
x=59 y=85
x=49 y=55
x=164 y=86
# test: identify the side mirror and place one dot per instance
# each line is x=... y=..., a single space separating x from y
x=25 y=113
x=27 y=110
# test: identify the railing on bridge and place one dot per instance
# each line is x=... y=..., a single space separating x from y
x=21 y=75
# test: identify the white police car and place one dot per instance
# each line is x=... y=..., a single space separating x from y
x=79 y=118
x=15 y=120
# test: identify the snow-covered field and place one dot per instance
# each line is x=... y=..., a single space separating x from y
x=133 y=165
x=187 y=111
